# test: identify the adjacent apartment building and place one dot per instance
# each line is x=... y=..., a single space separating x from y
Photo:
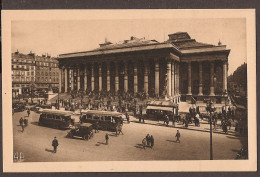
x=30 y=71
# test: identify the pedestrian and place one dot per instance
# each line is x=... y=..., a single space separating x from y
x=22 y=125
x=148 y=139
x=55 y=144
x=127 y=118
x=107 y=138
x=178 y=135
x=120 y=127
x=21 y=121
x=144 y=143
x=173 y=121
x=96 y=127
x=152 y=141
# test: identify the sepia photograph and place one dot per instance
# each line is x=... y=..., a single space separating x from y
x=120 y=87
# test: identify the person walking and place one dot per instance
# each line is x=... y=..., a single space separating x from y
x=152 y=141
x=28 y=112
x=55 y=144
x=120 y=127
x=107 y=138
x=178 y=135
x=127 y=118
x=144 y=143
x=22 y=125
x=21 y=121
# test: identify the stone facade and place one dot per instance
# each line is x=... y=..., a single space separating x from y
x=178 y=68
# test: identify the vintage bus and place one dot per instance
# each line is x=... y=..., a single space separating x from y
x=105 y=120
x=56 y=119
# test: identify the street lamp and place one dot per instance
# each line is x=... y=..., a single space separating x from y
x=225 y=94
x=210 y=108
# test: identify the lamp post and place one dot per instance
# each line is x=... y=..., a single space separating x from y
x=210 y=108
x=225 y=93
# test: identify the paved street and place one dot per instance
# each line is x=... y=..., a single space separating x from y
x=35 y=143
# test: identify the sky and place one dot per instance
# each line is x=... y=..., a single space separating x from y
x=63 y=36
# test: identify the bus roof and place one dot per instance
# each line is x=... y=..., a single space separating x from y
x=102 y=113
x=57 y=112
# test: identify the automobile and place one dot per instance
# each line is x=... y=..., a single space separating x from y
x=56 y=119
x=35 y=109
x=18 y=107
x=45 y=106
x=84 y=131
x=105 y=120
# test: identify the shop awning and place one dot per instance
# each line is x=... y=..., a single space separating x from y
x=160 y=108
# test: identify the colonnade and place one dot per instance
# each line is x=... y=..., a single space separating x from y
x=212 y=73
x=70 y=72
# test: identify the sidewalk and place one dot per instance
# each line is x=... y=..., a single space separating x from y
x=204 y=126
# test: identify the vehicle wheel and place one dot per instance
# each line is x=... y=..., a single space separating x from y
x=85 y=137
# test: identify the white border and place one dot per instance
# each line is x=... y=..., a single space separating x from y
x=128 y=166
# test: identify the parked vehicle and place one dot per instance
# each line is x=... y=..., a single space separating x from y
x=84 y=131
x=18 y=107
x=56 y=119
x=106 y=120
x=158 y=109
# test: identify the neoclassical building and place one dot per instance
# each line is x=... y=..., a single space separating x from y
x=181 y=68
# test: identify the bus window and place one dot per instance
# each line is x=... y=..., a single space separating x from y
x=58 y=117
x=95 y=118
x=108 y=118
x=49 y=116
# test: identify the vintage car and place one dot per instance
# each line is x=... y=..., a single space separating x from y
x=84 y=131
x=56 y=119
x=104 y=120
x=44 y=106
x=18 y=107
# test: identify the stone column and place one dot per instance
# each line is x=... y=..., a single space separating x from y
x=125 y=77
x=157 y=81
x=60 y=79
x=146 y=77
x=100 y=76
x=169 y=78
x=108 y=76
x=116 y=78
x=72 y=79
x=224 y=77
x=173 y=78
x=189 y=78
x=212 y=89
x=85 y=78
x=92 y=78
x=135 y=78
x=78 y=78
x=200 y=79
x=66 y=81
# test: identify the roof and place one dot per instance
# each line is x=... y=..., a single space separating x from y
x=187 y=45
x=113 y=50
x=160 y=108
x=162 y=103
x=85 y=124
x=51 y=111
x=102 y=113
